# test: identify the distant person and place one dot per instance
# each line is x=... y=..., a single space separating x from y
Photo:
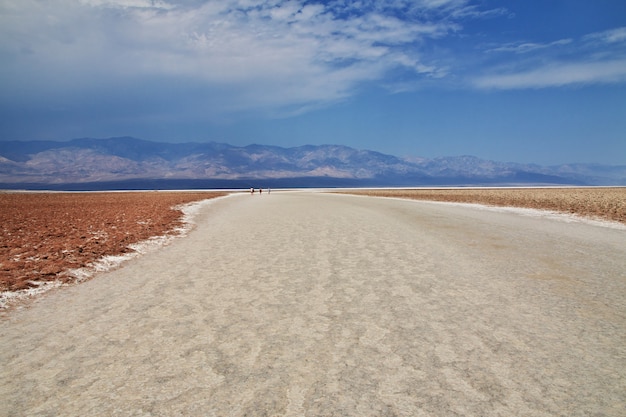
x=251 y=190
x=260 y=191
x=269 y=190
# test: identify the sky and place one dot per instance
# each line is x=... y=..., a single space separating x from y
x=530 y=81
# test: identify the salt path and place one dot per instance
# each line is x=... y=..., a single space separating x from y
x=316 y=304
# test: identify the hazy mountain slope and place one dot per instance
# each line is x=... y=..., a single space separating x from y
x=118 y=159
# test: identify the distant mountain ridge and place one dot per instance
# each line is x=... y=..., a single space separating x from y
x=127 y=160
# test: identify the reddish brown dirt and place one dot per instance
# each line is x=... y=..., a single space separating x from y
x=602 y=203
x=44 y=234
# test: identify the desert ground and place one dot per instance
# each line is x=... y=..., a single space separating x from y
x=320 y=304
x=43 y=235
x=59 y=237
x=598 y=202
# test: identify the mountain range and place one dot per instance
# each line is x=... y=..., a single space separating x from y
x=130 y=163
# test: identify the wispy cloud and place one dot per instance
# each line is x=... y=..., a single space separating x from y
x=558 y=75
x=525 y=47
x=277 y=55
x=608 y=36
x=596 y=58
x=271 y=52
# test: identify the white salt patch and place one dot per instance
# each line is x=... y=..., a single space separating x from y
x=531 y=212
x=8 y=297
x=546 y=214
x=107 y=263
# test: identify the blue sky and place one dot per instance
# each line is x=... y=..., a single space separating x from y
x=540 y=81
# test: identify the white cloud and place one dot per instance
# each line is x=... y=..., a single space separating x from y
x=596 y=58
x=557 y=75
x=525 y=47
x=288 y=52
x=609 y=36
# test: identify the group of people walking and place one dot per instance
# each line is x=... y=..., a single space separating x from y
x=252 y=190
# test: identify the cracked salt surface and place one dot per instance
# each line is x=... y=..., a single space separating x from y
x=555 y=215
x=107 y=263
x=531 y=212
x=399 y=317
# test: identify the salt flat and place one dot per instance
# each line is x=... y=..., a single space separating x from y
x=316 y=304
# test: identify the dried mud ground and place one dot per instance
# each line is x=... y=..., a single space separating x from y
x=43 y=235
x=596 y=203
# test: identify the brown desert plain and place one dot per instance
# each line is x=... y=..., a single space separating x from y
x=44 y=234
